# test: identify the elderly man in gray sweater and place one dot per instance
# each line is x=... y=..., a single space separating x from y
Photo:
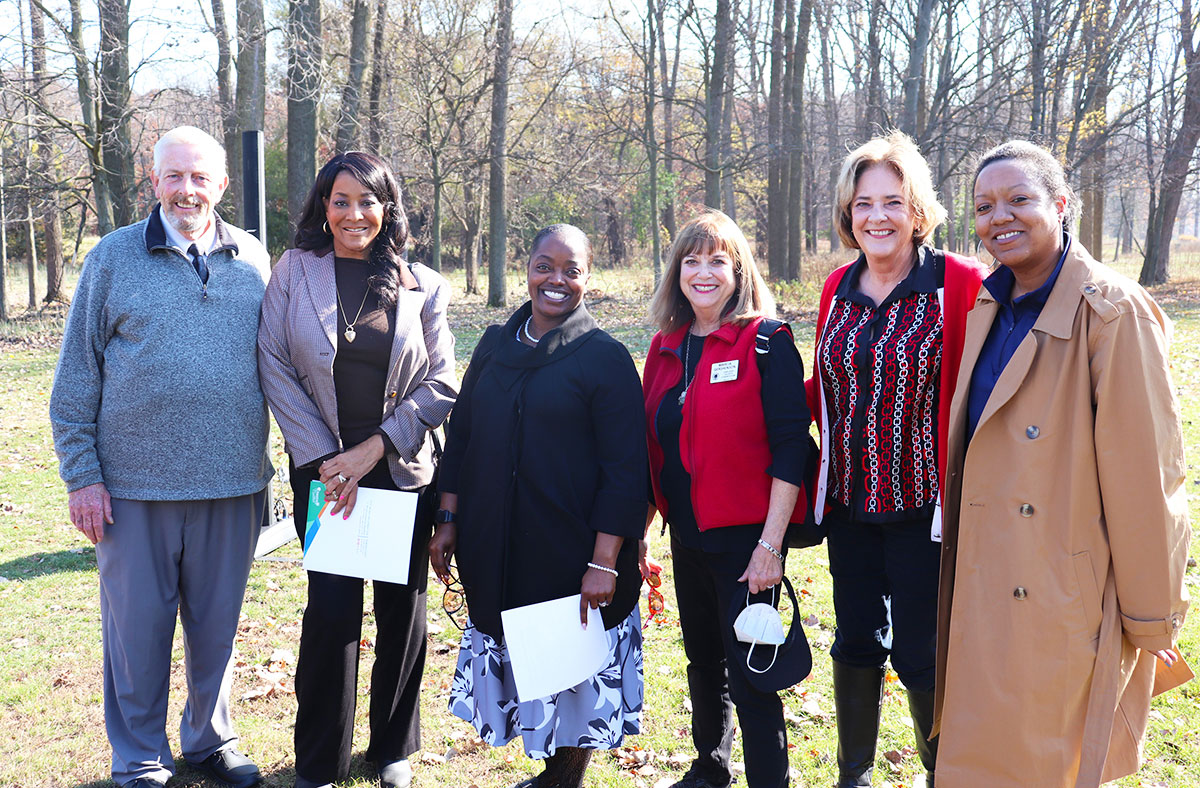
x=161 y=431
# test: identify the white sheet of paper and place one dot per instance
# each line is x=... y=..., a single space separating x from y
x=548 y=648
x=375 y=542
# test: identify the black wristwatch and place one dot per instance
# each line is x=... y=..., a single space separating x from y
x=442 y=516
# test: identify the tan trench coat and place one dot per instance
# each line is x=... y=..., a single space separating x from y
x=1065 y=542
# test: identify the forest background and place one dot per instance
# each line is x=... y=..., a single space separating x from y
x=501 y=116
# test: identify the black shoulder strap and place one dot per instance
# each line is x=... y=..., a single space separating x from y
x=762 y=339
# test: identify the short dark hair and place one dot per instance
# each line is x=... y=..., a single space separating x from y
x=1040 y=165
x=387 y=250
x=563 y=231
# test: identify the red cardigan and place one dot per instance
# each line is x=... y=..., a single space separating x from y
x=723 y=442
x=963 y=276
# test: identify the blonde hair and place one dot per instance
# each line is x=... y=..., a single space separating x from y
x=710 y=231
x=898 y=151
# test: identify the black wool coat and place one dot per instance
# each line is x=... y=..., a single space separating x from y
x=546 y=447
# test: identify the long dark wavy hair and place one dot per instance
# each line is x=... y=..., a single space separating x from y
x=387 y=250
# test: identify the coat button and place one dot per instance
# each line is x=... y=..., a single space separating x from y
x=1019 y=592
x=1089 y=289
x=1026 y=510
x=1032 y=431
x=391 y=395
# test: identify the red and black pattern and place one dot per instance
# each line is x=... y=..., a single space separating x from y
x=879 y=374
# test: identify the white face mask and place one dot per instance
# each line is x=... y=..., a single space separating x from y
x=759 y=624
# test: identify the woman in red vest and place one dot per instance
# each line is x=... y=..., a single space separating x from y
x=729 y=444
x=889 y=340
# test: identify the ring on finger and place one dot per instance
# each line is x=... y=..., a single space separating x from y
x=342 y=479
x=603 y=604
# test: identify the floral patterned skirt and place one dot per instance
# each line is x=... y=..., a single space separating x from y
x=596 y=713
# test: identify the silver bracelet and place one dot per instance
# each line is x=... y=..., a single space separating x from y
x=767 y=546
x=610 y=570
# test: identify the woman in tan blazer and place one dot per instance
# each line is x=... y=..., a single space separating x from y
x=357 y=363
x=1065 y=530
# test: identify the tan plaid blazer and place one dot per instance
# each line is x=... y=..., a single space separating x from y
x=297 y=343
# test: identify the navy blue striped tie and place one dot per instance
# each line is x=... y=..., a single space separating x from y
x=199 y=262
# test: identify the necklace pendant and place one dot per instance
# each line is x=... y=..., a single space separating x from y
x=349 y=333
x=682 y=397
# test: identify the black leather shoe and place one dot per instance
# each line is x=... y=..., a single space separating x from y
x=230 y=767
x=143 y=782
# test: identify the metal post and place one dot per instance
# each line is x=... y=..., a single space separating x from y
x=254 y=185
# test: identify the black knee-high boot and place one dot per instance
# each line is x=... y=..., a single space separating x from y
x=920 y=707
x=857 y=693
x=564 y=769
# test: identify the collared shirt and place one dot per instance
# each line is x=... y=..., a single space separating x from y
x=880 y=370
x=204 y=243
x=1014 y=319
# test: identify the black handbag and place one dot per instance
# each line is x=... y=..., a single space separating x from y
x=766 y=669
x=430 y=497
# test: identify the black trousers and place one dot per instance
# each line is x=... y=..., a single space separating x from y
x=327 y=669
x=705 y=584
x=877 y=568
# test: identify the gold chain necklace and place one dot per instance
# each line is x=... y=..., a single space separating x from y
x=350 y=333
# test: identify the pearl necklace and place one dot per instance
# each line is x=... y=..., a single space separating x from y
x=529 y=336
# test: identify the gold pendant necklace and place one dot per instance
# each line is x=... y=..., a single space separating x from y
x=350 y=333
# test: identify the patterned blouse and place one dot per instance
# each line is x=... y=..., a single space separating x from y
x=880 y=370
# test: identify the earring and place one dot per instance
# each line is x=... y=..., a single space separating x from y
x=325 y=227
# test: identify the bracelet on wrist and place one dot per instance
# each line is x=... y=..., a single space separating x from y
x=763 y=543
x=603 y=568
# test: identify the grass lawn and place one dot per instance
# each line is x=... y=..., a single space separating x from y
x=51 y=721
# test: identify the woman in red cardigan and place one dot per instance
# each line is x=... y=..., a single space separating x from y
x=889 y=339
x=729 y=444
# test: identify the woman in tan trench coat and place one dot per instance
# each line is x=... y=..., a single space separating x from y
x=1065 y=532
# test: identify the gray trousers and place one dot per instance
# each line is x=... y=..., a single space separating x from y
x=156 y=559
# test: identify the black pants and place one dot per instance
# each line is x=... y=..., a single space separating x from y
x=327 y=670
x=705 y=584
x=874 y=567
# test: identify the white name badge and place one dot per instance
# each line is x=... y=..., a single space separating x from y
x=723 y=372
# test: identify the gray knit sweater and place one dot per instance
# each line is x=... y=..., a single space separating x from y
x=156 y=392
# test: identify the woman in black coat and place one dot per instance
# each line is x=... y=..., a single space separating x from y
x=543 y=497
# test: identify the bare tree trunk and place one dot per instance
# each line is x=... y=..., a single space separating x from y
x=378 y=73
x=473 y=201
x=651 y=141
x=3 y=245
x=715 y=104
x=348 y=121
x=824 y=17
x=796 y=167
x=250 y=98
x=51 y=212
x=668 y=91
x=304 y=81
x=91 y=123
x=727 y=201
x=776 y=206
x=916 y=67
x=435 y=251
x=1180 y=149
x=117 y=151
x=612 y=230
x=875 y=114
x=498 y=158
x=228 y=105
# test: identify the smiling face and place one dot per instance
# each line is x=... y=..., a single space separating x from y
x=189 y=182
x=558 y=273
x=1017 y=219
x=882 y=216
x=707 y=280
x=355 y=216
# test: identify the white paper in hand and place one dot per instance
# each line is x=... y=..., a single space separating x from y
x=548 y=648
x=374 y=542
